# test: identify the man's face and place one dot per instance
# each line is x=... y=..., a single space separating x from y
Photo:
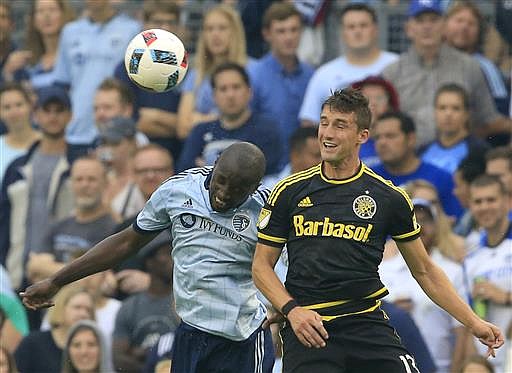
x=451 y=116
x=165 y=21
x=425 y=30
x=306 y=157
x=231 y=93
x=338 y=135
x=88 y=180
x=229 y=189
x=358 y=30
x=462 y=30
x=500 y=167
x=284 y=36
x=52 y=119
x=393 y=146
x=151 y=168
x=489 y=206
x=107 y=105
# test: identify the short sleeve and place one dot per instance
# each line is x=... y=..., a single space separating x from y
x=62 y=63
x=154 y=215
x=273 y=221
x=403 y=226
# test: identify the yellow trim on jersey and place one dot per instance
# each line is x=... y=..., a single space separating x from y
x=292 y=179
x=343 y=301
x=271 y=238
x=371 y=173
x=405 y=235
x=373 y=308
x=344 y=181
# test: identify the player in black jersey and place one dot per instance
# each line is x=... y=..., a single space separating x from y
x=334 y=219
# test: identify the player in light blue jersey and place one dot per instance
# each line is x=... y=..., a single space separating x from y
x=211 y=214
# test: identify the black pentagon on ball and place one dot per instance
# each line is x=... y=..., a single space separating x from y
x=135 y=60
x=165 y=57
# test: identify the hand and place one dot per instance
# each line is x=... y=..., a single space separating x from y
x=308 y=327
x=273 y=318
x=15 y=61
x=489 y=335
x=132 y=280
x=39 y=295
x=488 y=291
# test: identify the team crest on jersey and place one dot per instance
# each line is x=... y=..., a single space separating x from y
x=187 y=220
x=264 y=218
x=241 y=222
x=364 y=207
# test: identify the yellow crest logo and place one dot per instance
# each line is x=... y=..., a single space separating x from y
x=364 y=207
x=264 y=218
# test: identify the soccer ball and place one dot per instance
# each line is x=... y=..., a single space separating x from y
x=156 y=60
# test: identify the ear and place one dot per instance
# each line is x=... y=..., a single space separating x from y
x=265 y=32
x=411 y=140
x=363 y=135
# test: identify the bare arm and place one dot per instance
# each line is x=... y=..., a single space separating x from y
x=438 y=288
x=157 y=122
x=306 y=324
x=188 y=117
x=500 y=125
x=107 y=253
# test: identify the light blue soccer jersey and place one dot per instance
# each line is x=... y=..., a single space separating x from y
x=212 y=254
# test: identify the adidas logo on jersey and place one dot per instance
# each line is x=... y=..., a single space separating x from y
x=306 y=202
x=188 y=203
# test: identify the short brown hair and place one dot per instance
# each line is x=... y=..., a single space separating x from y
x=113 y=84
x=487 y=180
x=151 y=7
x=351 y=100
x=501 y=152
x=279 y=12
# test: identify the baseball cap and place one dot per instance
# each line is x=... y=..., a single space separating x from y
x=117 y=129
x=52 y=93
x=152 y=247
x=416 y=7
x=425 y=205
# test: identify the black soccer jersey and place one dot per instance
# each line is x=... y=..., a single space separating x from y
x=335 y=232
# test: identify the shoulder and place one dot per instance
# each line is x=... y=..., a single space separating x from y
x=330 y=67
x=73 y=26
x=388 y=57
x=261 y=195
x=386 y=186
x=292 y=182
x=428 y=168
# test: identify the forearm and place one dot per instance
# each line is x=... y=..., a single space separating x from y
x=439 y=288
x=127 y=361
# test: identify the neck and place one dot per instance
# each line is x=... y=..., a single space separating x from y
x=497 y=233
x=53 y=146
x=89 y=215
x=59 y=335
x=233 y=122
x=342 y=169
x=448 y=139
x=51 y=42
x=21 y=137
x=428 y=54
x=289 y=62
x=102 y=15
x=159 y=286
x=401 y=168
x=363 y=57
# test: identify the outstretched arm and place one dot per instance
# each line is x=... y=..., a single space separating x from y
x=437 y=286
x=306 y=324
x=107 y=253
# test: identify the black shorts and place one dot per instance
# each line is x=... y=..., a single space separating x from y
x=357 y=344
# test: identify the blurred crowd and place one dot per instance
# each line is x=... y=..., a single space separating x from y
x=82 y=148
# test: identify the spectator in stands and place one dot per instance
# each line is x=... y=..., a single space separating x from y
x=152 y=166
x=488 y=268
x=443 y=335
x=90 y=223
x=430 y=63
x=159 y=357
x=156 y=113
x=15 y=112
x=36 y=188
x=477 y=364
x=304 y=153
x=13 y=318
x=85 y=350
x=89 y=50
x=222 y=39
x=464 y=30
x=147 y=315
x=279 y=78
x=45 y=22
x=498 y=162
x=448 y=243
x=453 y=139
x=382 y=98
x=362 y=58
x=11 y=58
x=7 y=363
x=468 y=170
x=237 y=122
x=41 y=351
x=395 y=142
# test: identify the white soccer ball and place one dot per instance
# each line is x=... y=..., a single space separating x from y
x=156 y=60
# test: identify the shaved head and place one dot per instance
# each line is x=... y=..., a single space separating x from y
x=245 y=159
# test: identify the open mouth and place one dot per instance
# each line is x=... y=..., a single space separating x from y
x=328 y=145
